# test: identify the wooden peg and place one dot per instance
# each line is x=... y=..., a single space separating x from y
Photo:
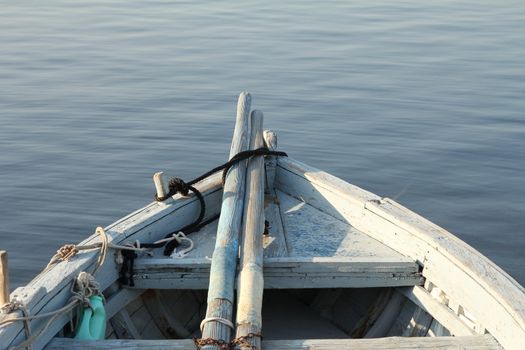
x=160 y=185
x=4 y=278
x=270 y=140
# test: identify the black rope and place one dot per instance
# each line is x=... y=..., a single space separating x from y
x=263 y=151
x=177 y=185
x=126 y=270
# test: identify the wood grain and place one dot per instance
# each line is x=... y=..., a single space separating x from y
x=493 y=298
x=250 y=281
x=476 y=342
x=223 y=267
x=4 y=278
x=287 y=272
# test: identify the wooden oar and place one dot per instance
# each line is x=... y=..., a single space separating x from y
x=251 y=282
x=218 y=324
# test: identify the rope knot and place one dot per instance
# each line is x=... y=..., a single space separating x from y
x=66 y=252
x=85 y=286
x=11 y=306
x=177 y=185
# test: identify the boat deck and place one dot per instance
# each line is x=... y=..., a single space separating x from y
x=304 y=248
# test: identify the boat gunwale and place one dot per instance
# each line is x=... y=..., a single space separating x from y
x=50 y=289
x=505 y=290
x=500 y=286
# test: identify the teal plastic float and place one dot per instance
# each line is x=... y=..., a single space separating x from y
x=93 y=320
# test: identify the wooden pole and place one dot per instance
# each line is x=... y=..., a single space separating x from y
x=4 y=278
x=251 y=282
x=224 y=262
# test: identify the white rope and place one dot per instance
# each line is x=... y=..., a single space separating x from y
x=217 y=319
x=66 y=252
x=179 y=237
x=104 y=240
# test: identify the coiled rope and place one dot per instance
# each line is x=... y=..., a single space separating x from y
x=84 y=286
x=66 y=252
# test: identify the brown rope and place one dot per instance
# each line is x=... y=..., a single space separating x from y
x=242 y=341
x=68 y=251
x=221 y=344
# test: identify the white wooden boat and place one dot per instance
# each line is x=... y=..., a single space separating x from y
x=343 y=269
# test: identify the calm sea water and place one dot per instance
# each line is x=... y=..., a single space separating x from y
x=420 y=101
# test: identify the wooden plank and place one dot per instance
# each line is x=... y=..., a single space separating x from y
x=436 y=329
x=250 y=280
x=274 y=242
x=120 y=299
x=368 y=319
x=479 y=342
x=419 y=324
x=123 y=325
x=402 y=319
x=476 y=342
x=443 y=314
x=387 y=318
x=50 y=291
x=270 y=141
x=166 y=321
x=492 y=297
x=287 y=272
x=223 y=267
x=311 y=184
x=311 y=232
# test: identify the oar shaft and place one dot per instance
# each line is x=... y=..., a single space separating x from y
x=251 y=282
x=223 y=266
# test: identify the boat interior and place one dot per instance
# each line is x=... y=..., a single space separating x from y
x=343 y=269
x=327 y=284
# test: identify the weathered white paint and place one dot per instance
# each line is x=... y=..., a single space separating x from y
x=387 y=318
x=288 y=272
x=418 y=324
x=223 y=268
x=250 y=281
x=274 y=242
x=270 y=141
x=51 y=290
x=311 y=232
x=442 y=313
x=4 y=278
x=478 y=289
x=477 y=342
x=437 y=330
x=490 y=295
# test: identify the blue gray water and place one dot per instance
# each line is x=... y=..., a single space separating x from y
x=419 y=101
